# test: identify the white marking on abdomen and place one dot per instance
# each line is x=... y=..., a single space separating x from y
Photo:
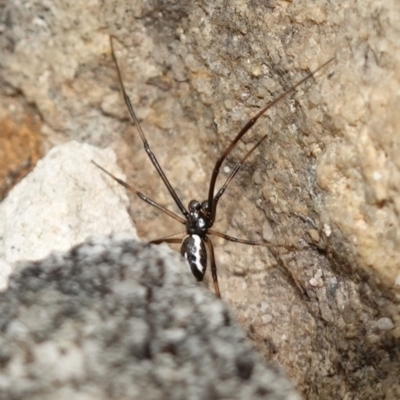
x=195 y=253
x=197 y=243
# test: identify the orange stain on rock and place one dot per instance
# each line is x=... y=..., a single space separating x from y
x=20 y=148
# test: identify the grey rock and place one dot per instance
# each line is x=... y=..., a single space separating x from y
x=117 y=319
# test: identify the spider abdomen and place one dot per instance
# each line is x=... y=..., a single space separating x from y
x=194 y=250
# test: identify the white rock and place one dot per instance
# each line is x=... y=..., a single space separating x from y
x=63 y=201
x=384 y=324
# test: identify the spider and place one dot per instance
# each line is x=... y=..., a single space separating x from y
x=198 y=217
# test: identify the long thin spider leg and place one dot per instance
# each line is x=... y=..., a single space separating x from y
x=246 y=241
x=160 y=240
x=234 y=171
x=146 y=146
x=246 y=127
x=166 y=240
x=214 y=275
x=143 y=197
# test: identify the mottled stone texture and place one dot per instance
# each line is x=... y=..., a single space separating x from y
x=55 y=206
x=115 y=319
x=327 y=179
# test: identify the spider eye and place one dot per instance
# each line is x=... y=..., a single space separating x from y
x=204 y=205
x=194 y=205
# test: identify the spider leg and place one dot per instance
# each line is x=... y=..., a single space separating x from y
x=234 y=171
x=143 y=197
x=246 y=128
x=247 y=241
x=146 y=146
x=166 y=239
x=214 y=275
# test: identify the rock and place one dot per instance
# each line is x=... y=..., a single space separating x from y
x=195 y=72
x=117 y=319
x=62 y=202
